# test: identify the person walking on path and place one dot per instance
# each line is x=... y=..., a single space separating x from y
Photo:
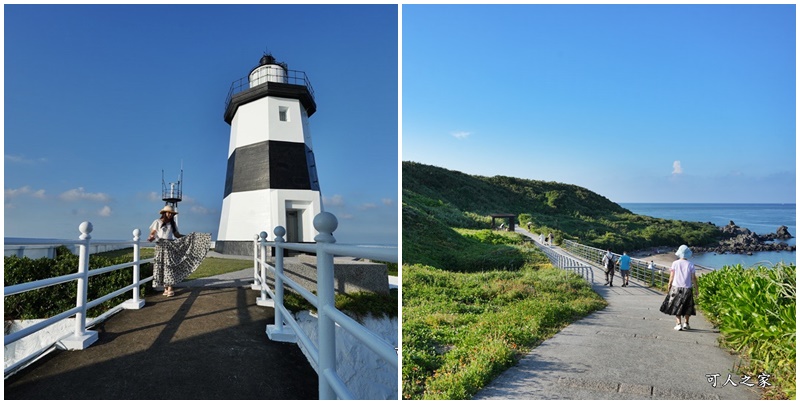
x=176 y=255
x=624 y=268
x=682 y=282
x=608 y=265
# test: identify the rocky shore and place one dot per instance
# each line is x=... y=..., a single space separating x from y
x=741 y=240
x=736 y=240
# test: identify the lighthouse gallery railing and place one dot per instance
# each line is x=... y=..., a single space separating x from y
x=323 y=354
x=295 y=77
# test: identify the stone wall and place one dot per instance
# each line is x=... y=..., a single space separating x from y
x=350 y=275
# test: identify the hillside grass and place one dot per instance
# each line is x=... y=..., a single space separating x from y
x=461 y=330
x=474 y=301
x=568 y=211
x=472 y=297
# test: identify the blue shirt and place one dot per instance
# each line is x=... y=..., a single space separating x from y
x=624 y=262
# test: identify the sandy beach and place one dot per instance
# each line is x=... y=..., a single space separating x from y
x=660 y=256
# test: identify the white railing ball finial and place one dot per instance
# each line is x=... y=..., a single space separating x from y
x=279 y=233
x=85 y=228
x=136 y=234
x=325 y=223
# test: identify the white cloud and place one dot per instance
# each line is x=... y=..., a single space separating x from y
x=26 y=190
x=344 y=216
x=200 y=210
x=153 y=197
x=461 y=135
x=676 y=167
x=23 y=160
x=335 y=200
x=105 y=212
x=12 y=193
x=387 y=201
x=78 y=194
x=368 y=206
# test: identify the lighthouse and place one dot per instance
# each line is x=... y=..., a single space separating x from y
x=271 y=177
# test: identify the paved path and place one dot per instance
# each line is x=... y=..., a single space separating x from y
x=207 y=342
x=626 y=351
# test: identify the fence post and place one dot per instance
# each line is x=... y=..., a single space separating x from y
x=325 y=223
x=261 y=248
x=277 y=332
x=135 y=303
x=82 y=338
x=256 y=285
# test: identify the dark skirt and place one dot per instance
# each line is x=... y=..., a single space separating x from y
x=679 y=302
x=177 y=259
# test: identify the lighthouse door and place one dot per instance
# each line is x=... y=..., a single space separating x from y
x=293 y=229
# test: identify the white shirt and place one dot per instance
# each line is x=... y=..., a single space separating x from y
x=164 y=232
x=683 y=269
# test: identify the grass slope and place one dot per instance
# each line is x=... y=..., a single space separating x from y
x=568 y=211
x=474 y=300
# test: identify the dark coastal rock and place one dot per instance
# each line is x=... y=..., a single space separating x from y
x=740 y=240
x=783 y=233
x=731 y=229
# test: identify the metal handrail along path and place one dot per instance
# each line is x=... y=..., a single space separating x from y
x=566 y=262
x=80 y=338
x=322 y=354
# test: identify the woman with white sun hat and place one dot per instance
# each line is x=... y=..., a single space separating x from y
x=682 y=289
x=177 y=256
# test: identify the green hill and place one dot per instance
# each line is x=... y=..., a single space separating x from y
x=436 y=200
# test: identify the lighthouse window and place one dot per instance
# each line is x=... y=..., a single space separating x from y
x=283 y=114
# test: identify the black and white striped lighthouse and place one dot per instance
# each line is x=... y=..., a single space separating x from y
x=271 y=177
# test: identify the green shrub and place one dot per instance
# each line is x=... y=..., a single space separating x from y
x=461 y=330
x=754 y=309
x=53 y=300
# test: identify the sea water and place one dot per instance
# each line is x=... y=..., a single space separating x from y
x=760 y=218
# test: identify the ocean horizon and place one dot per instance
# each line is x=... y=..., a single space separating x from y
x=762 y=218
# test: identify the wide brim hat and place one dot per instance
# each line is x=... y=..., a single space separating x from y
x=168 y=209
x=683 y=251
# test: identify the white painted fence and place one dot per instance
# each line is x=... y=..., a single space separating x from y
x=656 y=276
x=286 y=329
x=81 y=338
x=566 y=262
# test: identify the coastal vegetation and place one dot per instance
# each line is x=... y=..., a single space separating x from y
x=755 y=310
x=472 y=296
x=53 y=300
x=568 y=211
x=47 y=302
x=474 y=300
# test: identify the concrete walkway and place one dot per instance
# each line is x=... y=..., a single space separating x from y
x=207 y=342
x=626 y=351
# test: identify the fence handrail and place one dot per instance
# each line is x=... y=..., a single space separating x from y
x=81 y=338
x=323 y=353
x=57 y=242
x=566 y=262
x=655 y=275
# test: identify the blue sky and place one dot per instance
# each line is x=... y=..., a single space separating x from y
x=100 y=99
x=639 y=103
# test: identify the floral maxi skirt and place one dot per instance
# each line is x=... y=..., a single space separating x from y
x=177 y=259
x=679 y=302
